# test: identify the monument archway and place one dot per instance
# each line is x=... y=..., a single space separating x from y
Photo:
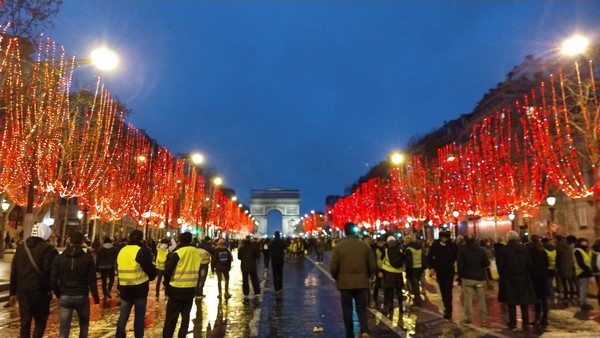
x=286 y=201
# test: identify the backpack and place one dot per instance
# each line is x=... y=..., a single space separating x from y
x=595 y=262
x=224 y=257
x=396 y=256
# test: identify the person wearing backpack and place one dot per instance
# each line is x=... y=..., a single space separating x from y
x=221 y=264
x=441 y=259
x=414 y=267
x=392 y=269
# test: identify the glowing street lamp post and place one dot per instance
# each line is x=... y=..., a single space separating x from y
x=511 y=217
x=551 y=200
x=455 y=214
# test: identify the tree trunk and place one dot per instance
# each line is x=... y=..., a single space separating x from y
x=596 y=217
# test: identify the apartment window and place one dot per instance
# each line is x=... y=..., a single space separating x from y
x=582 y=216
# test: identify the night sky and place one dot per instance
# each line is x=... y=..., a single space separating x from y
x=309 y=95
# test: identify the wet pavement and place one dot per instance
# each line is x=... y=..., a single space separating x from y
x=311 y=300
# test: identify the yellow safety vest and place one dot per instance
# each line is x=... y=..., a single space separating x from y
x=385 y=265
x=187 y=269
x=416 y=257
x=130 y=271
x=551 y=259
x=161 y=258
x=587 y=260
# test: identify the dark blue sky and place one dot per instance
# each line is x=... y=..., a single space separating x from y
x=308 y=95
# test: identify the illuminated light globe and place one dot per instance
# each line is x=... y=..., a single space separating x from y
x=575 y=45
x=104 y=59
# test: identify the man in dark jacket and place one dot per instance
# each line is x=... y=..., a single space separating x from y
x=472 y=262
x=248 y=254
x=181 y=277
x=73 y=278
x=135 y=267
x=106 y=259
x=277 y=252
x=515 y=286
x=352 y=265
x=30 y=286
x=441 y=258
x=221 y=264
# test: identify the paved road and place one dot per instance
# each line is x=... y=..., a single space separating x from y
x=310 y=300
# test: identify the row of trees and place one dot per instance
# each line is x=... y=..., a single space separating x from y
x=59 y=143
x=546 y=141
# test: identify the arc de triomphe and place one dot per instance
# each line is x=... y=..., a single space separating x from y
x=286 y=201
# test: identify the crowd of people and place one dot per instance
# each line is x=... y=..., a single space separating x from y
x=533 y=274
x=180 y=268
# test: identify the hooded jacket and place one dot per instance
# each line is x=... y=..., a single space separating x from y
x=74 y=274
x=472 y=262
x=107 y=256
x=23 y=276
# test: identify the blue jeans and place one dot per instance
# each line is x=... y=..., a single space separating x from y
x=138 y=321
x=359 y=296
x=66 y=305
x=201 y=279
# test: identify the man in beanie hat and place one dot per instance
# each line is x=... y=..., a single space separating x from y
x=73 y=278
x=30 y=280
x=181 y=277
x=206 y=250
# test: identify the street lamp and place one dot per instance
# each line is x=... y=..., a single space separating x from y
x=511 y=217
x=104 y=59
x=397 y=158
x=551 y=200
x=575 y=45
x=5 y=206
x=455 y=214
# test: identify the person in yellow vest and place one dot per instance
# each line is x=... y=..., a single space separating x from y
x=181 y=276
x=136 y=269
x=583 y=271
x=550 y=250
x=595 y=253
x=393 y=278
x=414 y=267
x=162 y=250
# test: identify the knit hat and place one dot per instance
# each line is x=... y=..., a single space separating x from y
x=41 y=230
x=185 y=238
x=76 y=238
x=391 y=238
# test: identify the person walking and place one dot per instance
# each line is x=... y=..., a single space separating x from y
x=539 y=278
x=583 y=271
x=106 y=259
x=181 y=279
x=277 y=253
x=441 y=258
x=162 y=251
x=393 y=276
x=595 y=254
x=320 y=249
x=72 y=279
x=472 y=262
x=248 y=254
x=565 y=268
x=135 y=268
x=515 y=286
x=379 y=252
x=30 y=281
x=206 y=251
x=414 y=267
x=221 y=264
x=266 y=254
x=352 y=265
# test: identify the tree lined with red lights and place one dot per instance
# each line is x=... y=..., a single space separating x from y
x=57 y=144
